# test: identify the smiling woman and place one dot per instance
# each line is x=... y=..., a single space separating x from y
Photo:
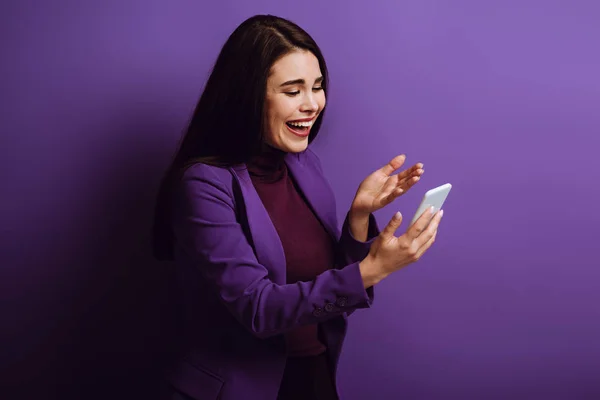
x=267 y=279
x=269 y=71
x=293 y=105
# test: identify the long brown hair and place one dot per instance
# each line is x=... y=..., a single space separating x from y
x=226 y=127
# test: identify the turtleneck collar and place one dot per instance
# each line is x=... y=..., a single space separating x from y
x=269 y=166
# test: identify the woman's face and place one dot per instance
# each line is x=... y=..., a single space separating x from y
x=294 y=100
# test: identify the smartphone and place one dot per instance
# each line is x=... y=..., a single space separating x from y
x=434 y=197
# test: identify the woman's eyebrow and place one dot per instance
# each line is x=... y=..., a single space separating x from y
x=300 y=81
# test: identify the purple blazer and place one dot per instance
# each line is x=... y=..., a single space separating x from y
x=231 y=273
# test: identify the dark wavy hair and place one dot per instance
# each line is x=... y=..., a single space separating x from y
x=226 y=127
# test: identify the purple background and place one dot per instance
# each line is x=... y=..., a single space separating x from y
x=499 y=98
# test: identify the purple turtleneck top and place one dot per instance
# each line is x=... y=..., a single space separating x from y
x=308 y=248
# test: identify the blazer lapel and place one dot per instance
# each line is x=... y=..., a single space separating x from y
x=267 y=245
x=316 y=191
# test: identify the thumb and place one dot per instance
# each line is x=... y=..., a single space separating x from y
x=390 y=228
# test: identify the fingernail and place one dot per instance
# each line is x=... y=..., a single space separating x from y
x=397 y=215
x=431 y=210
x=441 y=213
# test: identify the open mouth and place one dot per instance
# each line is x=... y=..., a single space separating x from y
x=301 y=128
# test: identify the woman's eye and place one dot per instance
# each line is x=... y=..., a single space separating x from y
x=316 y=89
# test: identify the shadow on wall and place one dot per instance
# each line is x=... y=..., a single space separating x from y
x=127 y=325
x=110 y=326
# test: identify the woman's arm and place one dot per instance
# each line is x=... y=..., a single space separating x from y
x=359 y=225
x=351 y=249
x=358 y=230
x=355 y=242
x=207 y=231
x=357 y=234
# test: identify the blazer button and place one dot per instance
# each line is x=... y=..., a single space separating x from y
x=342 y=301
x=318 y=312
x=329 y=307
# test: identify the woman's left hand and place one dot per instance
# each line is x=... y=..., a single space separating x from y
x=381 y=187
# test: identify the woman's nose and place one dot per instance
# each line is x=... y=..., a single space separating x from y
x=309 y=103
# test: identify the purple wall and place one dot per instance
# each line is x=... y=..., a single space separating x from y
x=499 y=98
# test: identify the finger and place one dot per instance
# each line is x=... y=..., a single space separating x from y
x=393 y=165
x=390 y=190
x=393 y=195
x=415 y=170
x=420 y=224
x=390 y=184
x=395 y=186
x=409 y=182
x=390 y=229
x=430 y=230
x=426 y=245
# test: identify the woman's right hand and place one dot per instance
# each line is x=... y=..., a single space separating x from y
x=389 y=253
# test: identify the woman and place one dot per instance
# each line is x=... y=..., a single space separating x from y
x=266 y=279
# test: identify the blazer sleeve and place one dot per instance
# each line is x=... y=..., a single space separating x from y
x=207 y=231
x=350 y=250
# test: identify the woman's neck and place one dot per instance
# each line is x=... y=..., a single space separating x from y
x=269 y=165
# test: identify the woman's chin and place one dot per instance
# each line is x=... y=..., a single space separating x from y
x=291 y=144
x=296 y=146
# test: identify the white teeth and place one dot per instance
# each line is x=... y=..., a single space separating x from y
x=302 y=124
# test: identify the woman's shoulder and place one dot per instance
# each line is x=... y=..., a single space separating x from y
x=207 y=172
x=205 y=182
x=214 y=172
